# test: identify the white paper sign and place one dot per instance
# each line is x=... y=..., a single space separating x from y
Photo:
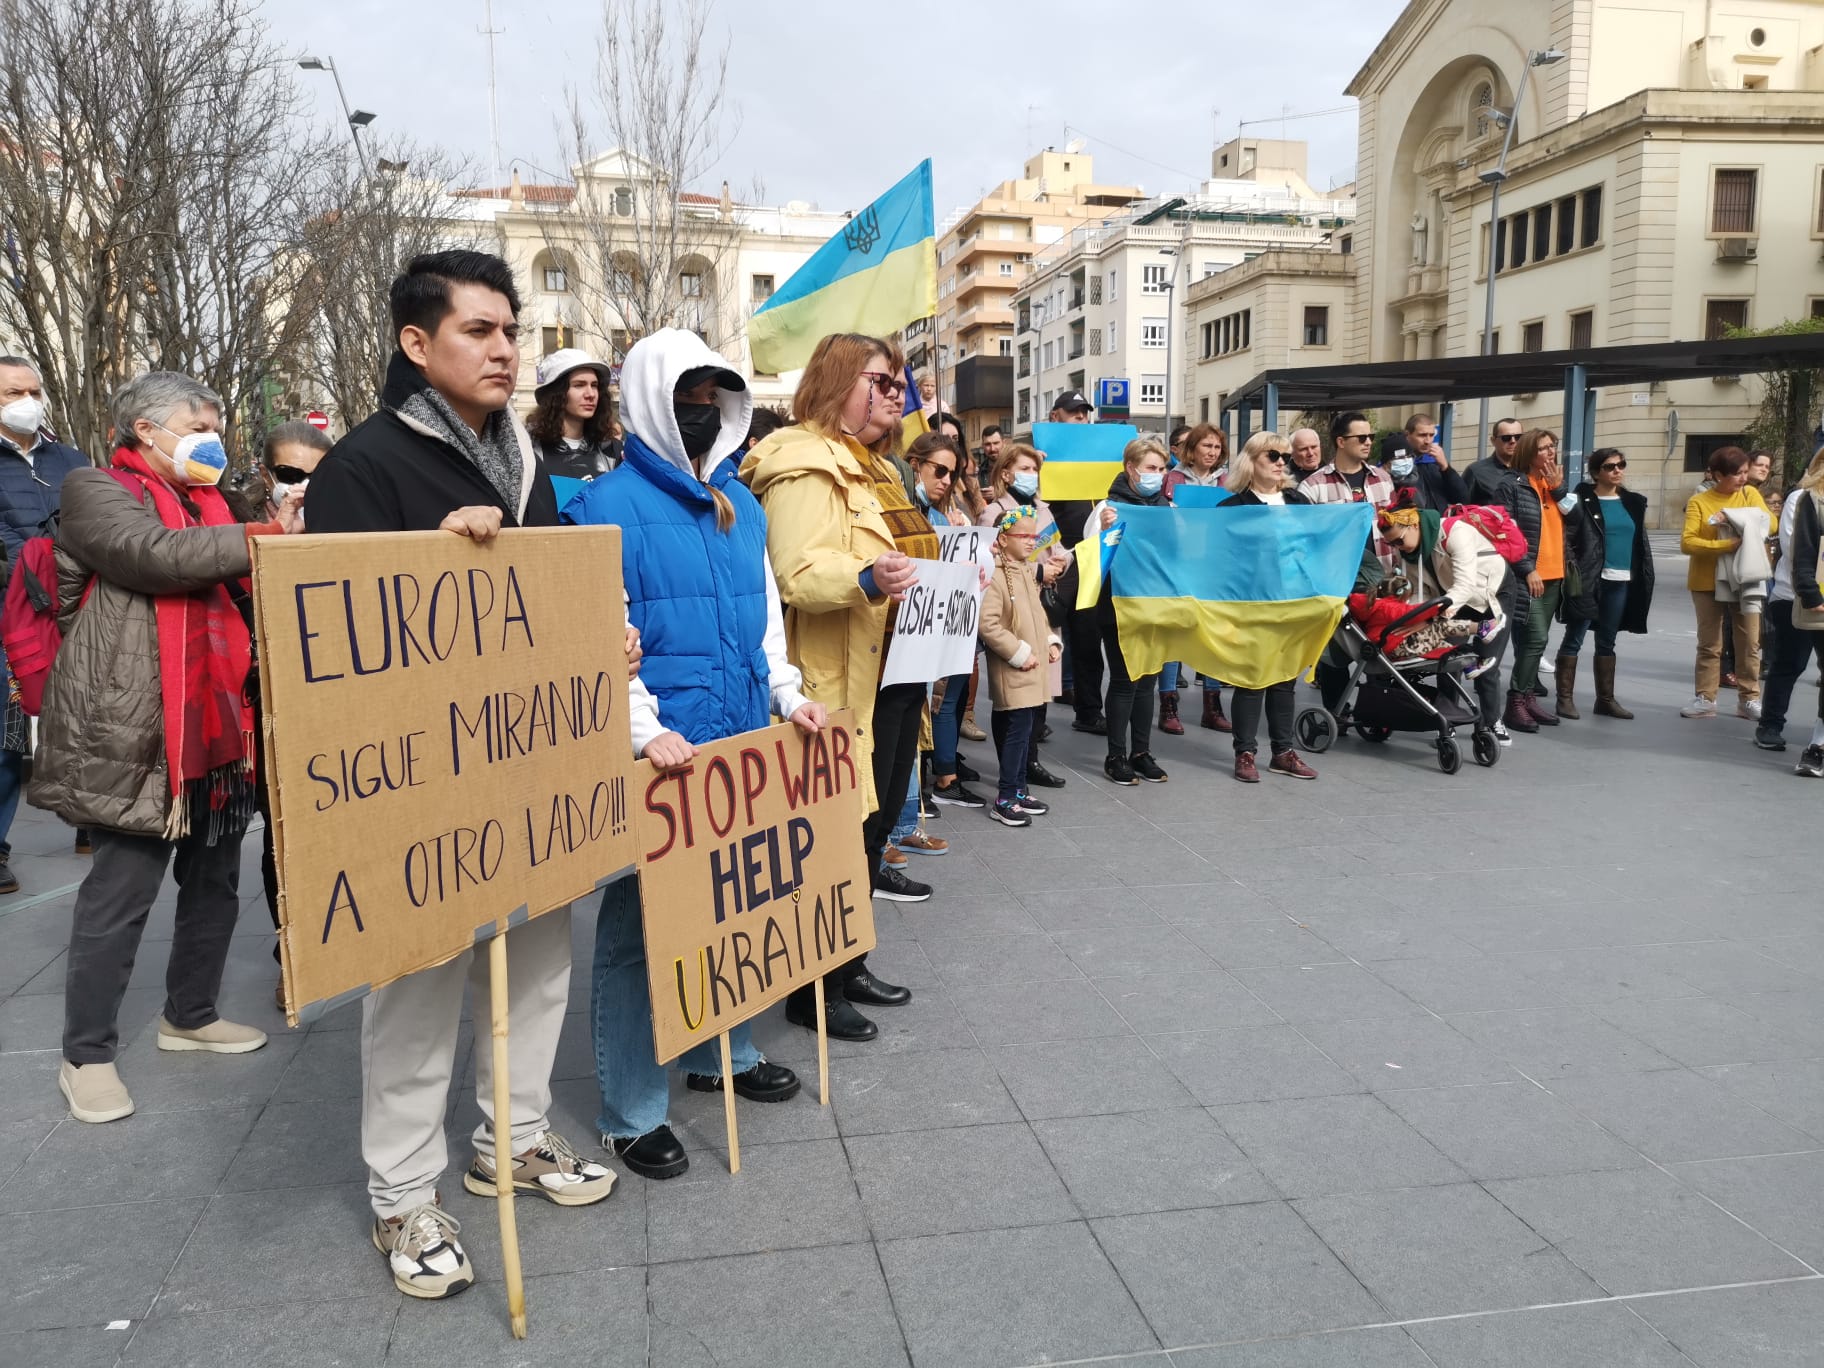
x=967 y=543
x=934 y=631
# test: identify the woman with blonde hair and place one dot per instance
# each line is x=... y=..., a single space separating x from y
x=1795 y=585
x=842 y=535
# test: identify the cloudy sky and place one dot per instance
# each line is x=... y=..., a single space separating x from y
x=835 y=100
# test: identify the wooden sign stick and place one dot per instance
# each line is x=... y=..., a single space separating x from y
x=728 y=1106
x=823 y=1049
x=503 y=1137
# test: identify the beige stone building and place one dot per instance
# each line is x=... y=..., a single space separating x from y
x=1666 y=182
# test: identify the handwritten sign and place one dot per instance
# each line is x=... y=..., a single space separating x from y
x=752 y=876
x=934 y=629
x=446 y=739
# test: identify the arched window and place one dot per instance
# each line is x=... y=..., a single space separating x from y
x=1480 y=103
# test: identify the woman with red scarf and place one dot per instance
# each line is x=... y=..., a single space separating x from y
x=146 y=733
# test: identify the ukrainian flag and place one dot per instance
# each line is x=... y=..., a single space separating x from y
x=874 y=277
x=914 y=425
x=1081 y=459
x=1249 y=595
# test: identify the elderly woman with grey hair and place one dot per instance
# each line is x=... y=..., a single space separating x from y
x=146 y=731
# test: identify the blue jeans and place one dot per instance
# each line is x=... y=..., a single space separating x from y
x=947 y=726
x=908 y=818
x=1013 y=732
x=1168 y=677
x=636 y=1092
x=1611 y=603
x=12 y=781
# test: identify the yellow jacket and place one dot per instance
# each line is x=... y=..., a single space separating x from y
x=1704 y=543
x=823 y=528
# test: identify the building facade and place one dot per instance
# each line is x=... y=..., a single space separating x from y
x=1665 y=182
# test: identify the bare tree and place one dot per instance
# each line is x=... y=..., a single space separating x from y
x=647 y=128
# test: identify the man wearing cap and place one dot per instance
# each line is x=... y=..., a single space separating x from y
x=571 y=427
x=1083 y=635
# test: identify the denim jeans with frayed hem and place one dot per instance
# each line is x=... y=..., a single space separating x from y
x=908 y=819
x=636 y=1092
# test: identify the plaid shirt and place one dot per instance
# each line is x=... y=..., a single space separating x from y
x=1326 y=486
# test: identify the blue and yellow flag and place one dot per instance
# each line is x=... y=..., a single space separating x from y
x=1247 y=595
x=875 y=276
x=914 y=425
x=1081 y=459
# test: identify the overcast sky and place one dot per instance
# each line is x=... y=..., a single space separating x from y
x=1148 y=84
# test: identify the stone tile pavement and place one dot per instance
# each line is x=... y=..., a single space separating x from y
x=1515 y=1067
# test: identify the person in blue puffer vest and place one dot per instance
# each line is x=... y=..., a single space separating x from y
x=701 y=590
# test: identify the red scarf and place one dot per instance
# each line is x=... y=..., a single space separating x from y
x=204 y=654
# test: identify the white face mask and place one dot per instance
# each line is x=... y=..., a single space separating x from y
x=23 y=415
x=1400 y=467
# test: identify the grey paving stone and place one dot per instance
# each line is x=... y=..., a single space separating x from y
x=1252 y=944
x=89 y=1266
x=966 y=961
x=1479 y=983
x=296 y=1144
x=1091 y=909
x=1036 y=1295
x=1548 y=1043
x=1728 y=967
x=1781 y=1196
x=574 y=1320
x=1639 y=1230
x=1701 y=1030
x=88 y=1346
x=1120 y=952
x=1607 y=1335
x=1509 y=1130
x=1251 y=1064
x=1791 y=1089
x=1233 y=1273
x=1372 y=936
x=1775 y=1326
x=1798 y=1016
x=975 y=913
x=325 y=1066
x=1672 y=1114
x=1545 y=928
x=554 y=1239
x=343 y=1334
x=1385 y=1348
x=1150 y=1161
x=138 y=1159
x=1327 y=992
x=943 y=1182
x=1023 y=1013
x=926 y=1090
x=931 y=1021
x=1208 y=904
x=28 y=1087
x=698 y=1121
x=785 y=1196
x=1314 y=1146
x=1441 y=1251
x=1407 y=1052
x=194 y=1080
x=34 y=1021
x=1202 y=1000
x=792 y=1306
x=1589 y=976
x=18 y=1140
x=1087 y=1077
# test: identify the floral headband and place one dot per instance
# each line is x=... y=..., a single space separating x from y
x=1013 y=515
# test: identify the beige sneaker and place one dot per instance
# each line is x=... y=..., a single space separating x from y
x=550 y=1169
x=218 y=1037
x=422 y=1250
x=94 y=1092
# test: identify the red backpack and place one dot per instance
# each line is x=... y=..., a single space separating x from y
x=1495 y=523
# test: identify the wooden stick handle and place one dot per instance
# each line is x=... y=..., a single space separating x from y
x=823 y=1049
x=728 y=1105
x=503 y=1138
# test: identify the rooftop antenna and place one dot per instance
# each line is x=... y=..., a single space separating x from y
x=490 y=33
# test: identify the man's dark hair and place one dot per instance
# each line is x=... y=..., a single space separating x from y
x=1412 y=423
x=296 y=431
x=766 y=421
x=421 y=296
x=1178 y=434
x=1343 y=422
x=992 y=430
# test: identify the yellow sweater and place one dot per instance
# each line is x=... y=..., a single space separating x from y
x=1704 y=543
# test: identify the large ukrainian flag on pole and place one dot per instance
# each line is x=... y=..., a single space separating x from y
x=1247 y=595
x=876 y=276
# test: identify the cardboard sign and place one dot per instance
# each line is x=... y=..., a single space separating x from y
x=934 y=630
x=753 y=880
x=446 y=740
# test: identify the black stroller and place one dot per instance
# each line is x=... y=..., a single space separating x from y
x=1397 y=684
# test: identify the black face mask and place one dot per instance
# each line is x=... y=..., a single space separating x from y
x=699 y=425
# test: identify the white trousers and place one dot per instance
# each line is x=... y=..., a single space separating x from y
x=408 y=1050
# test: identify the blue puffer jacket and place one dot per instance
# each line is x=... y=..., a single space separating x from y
x=697 y=594
x=30 y=491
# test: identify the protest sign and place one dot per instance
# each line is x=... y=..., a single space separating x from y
x=967 y=543
x=934 y=629
x=447 y=742
x=753 y=880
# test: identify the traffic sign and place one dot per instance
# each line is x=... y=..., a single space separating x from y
x=1111 y=396
x=318 y=419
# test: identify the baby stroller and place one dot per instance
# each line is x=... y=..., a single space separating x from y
x=1407 y=675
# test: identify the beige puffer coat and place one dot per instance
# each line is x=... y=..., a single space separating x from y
x=1015 y=630
x=101 y=736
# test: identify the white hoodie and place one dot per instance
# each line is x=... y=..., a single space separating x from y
x=651 y=372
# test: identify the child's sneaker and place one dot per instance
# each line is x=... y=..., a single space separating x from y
x=1031 y=806
x=1009 y=814
x=425 y=1256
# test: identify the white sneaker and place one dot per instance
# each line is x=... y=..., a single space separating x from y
x=1749 y=708
x=1502 y=734
x=218 y=1037
x=1699 y=707
x=94 y=1092
x=1546 y=666
x=424 y=1254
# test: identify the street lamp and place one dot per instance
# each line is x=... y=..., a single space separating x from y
x=1171 y=285
x=1493 y=179
x=358 y=119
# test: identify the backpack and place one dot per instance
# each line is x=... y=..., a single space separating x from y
x=1495 y=523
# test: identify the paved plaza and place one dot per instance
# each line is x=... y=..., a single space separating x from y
x=1522 y=1066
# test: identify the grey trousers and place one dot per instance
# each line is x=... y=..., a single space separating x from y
x=110 y=917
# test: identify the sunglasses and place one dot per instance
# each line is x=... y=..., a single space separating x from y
x=285 y=474
x=1507 y=436
x=1611 y=465
x=1277 y=457
x=942 y=472
x=1357 y=437
x=890 y=385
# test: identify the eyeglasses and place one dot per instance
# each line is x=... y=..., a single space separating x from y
x=1507 y=436
x=1021 y=536
x=890 y=385
x=1277 y=457
x=285 y=474
x=1611 y=465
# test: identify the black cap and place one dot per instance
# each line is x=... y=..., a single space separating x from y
x=1072 y=401
x=724 y=378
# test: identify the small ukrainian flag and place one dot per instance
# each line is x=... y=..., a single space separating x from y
x=1081 y=459
x=874 y=277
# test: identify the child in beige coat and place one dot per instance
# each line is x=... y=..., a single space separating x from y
x=1020 y=646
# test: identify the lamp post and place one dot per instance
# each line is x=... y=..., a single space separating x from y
x=1493 y=180
x=358 y=119
x=1171 y=286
